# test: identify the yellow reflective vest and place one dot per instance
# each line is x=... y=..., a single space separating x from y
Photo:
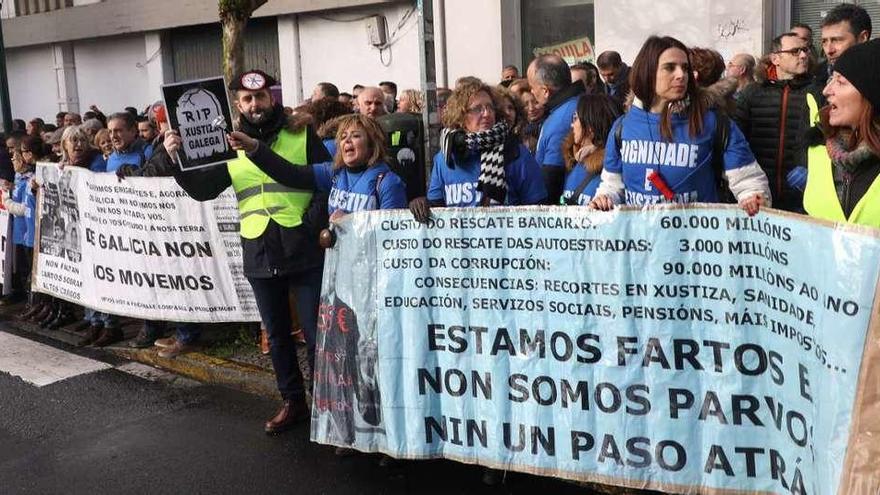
x=820 y=196
x=260 y=198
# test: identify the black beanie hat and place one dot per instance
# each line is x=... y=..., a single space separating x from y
x=860 y=64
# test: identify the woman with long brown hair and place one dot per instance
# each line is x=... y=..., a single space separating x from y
x=664 y=149
x=843 y=181
x=584 y=148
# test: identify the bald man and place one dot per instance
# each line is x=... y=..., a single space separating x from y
x=371 y=102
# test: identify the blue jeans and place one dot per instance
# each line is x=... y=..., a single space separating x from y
x=186 y=333
x=98 y=318
x=272 y=295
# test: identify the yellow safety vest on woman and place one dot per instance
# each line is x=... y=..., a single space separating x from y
x=820 y=196
x=260 y=198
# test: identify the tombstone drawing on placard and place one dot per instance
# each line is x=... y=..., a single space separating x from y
x=196 y=111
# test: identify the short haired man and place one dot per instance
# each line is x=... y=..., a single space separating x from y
x=345 y=98
x=615 y=73
x=803 y=32
x=128 y=147
x=509 y=73
x=71 y=118
x=742 y=67
x=325 y=90
x=390 y=90
x=371 y=102
x=550 y=81
x=355 y=92
x=279 y=247
x=147 y=130
x=844 y=26
x=59 y=119
x=774 y=117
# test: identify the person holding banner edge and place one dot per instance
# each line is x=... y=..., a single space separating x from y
x=665 y=149
x=279 y=230
x=357 y=179
x=843 y=177
x=584 y=148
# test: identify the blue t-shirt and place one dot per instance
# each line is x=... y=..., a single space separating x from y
x=357 y=191
x=685 y=163
x=99 y=164
x=573 y=181
x=138 y=154
x=23 y=228
x=553 y=132
x=330 y=144
x=458 y=186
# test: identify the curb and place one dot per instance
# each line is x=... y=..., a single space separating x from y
x=196 y=365
x=207 y=369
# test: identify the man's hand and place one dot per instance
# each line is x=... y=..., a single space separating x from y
x=241 y=141
x=172 y=142
x=420 y=209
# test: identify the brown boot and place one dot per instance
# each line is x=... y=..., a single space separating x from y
x=110 y=335
x=292 y=412
x=92 y=333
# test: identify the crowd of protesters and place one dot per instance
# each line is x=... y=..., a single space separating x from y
x=784 y=129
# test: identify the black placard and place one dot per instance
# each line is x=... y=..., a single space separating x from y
x=193 y=108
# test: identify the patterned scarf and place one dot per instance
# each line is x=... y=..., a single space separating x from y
x=848 y=161
x=490 y=144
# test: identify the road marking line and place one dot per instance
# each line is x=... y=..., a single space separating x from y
x=156 y=375
x=40 y=364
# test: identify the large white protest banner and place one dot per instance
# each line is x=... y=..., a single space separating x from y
x=139 y=247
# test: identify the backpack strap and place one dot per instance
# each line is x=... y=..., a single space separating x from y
x=720 y=140
x=573 y=199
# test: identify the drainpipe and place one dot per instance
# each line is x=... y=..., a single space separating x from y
x=440 y=44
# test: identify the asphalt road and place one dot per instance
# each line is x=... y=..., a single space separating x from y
x=110 y=431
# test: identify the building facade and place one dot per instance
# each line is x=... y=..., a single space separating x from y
x=71 y=54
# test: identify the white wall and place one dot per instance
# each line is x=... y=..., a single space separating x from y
x=728 y=26
x=473 y=39
x=338 y=52
x=107 y=73
x=32 y=88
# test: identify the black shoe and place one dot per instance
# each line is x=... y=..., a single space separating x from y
x=110 y=335
x=52 y=316
x=42 y=314
x=31 y=312
x=64 y=317
x=143 y=340
x=91 y=335
x=81 y=326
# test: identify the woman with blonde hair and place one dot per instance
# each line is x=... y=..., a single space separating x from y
x=481 y=162
x=410 y=101
x=357 y=179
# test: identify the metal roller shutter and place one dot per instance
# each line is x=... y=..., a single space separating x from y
x=197 y=51
x=811 y=13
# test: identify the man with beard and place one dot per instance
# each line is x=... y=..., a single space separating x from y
x=279 y=230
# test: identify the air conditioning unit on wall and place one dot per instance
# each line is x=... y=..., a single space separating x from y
x=376 y=30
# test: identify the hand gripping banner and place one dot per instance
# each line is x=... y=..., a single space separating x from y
x=688 y=350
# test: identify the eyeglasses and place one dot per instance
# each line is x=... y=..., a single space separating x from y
x=795 y=51
x=479 y=109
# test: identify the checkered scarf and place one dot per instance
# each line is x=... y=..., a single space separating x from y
x=490 y=144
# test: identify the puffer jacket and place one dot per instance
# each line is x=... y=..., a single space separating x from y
x=775 y=119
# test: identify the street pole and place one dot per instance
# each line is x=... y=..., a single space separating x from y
x=5 y=107
x=430 y=118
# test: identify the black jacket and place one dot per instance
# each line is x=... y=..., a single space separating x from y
x=851 y=187
x=279 y=251
x=759 y=113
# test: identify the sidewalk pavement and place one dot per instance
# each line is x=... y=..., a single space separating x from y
x=245 y=369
